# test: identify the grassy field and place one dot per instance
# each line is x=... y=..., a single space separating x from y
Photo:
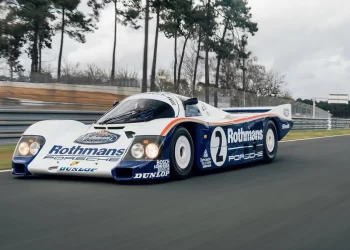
x=7 y=151
x=5 y=156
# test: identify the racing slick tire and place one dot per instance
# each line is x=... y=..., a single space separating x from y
x=270 y=143
x=181 y=154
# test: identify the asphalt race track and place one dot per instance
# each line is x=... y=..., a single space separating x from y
x=301 y=201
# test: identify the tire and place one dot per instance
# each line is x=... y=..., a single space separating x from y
x=270 y=142
x=181 y=154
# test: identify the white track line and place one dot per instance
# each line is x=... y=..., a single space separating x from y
x=6 y=170
x=306 y=139
x=314 y=138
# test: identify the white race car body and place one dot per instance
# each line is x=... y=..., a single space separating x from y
x=172 y=137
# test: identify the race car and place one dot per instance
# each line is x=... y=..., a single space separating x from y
x=153 y=135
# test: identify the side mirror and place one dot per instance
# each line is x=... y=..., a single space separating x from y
x=191 y=101
x=115 y=103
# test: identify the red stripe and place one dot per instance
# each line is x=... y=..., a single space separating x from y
x=173 y=123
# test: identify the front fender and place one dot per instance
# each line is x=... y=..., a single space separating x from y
x=53 y=128
x=49 y=130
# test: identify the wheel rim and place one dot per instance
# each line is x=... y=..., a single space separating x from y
x=270 y=140
x=182 y=152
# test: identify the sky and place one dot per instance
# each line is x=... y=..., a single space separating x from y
x=306 y=40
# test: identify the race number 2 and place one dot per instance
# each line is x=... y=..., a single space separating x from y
x=218 y=146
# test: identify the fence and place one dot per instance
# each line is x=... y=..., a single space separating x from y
x=234 y=98
x=14 y=122
x=97 y=97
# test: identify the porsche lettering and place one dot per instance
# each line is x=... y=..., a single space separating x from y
x=245 y=156
x=82 y=158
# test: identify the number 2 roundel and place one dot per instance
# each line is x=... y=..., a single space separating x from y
x=218 y=146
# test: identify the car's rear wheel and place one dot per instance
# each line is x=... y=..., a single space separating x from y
x=270 y=142
x=181 y=154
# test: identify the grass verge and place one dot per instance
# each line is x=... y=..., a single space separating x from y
x=7 y=151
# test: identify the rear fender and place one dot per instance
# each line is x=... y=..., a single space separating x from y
x=283 y=126
x=281 y=115
x=283 y=111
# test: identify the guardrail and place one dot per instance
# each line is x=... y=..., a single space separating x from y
x=14 y=122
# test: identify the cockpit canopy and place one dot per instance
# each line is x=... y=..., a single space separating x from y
x=138 y=110
x=151 y=106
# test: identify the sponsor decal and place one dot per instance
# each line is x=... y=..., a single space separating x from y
x=78 y=150
x=82 y=158
x=163 y=170
x=286 y=112
x=245 y=156
x=68 y=169
x=100 y=137
x=285 y=126
x=151 y=175
x=78 y=153
x=205 y=160
x=244 y=136
x=74 y=163
x=162 y=166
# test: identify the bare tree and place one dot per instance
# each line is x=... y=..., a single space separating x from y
x=163 y=80
x=71 y=69
x=184 y=88
x=230 y=76
x=125 y=73
x=189 y=65
x=274 y=83
x=263 y=82
x=95 y=74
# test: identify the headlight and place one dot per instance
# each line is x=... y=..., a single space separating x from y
x=137 y=150
x=145 y=148
x=34 y=148
x=23 y=148
x=152 y=150
x=29 y=146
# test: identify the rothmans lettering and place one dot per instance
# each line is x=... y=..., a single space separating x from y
x=78 y=150
x=244 y=136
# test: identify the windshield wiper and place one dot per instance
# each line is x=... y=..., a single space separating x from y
x=140 y=112
x=130 y=115
x=118 y=117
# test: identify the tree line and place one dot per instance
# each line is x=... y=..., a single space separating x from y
x=208 y=33
x=337 y=110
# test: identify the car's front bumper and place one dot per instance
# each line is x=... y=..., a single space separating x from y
x=141 y=170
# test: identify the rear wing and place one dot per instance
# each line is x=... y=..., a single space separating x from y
x=284 y=111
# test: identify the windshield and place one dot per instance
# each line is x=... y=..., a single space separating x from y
x=138 y=110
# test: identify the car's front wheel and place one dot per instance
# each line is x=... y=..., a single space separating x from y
x=181 y=154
